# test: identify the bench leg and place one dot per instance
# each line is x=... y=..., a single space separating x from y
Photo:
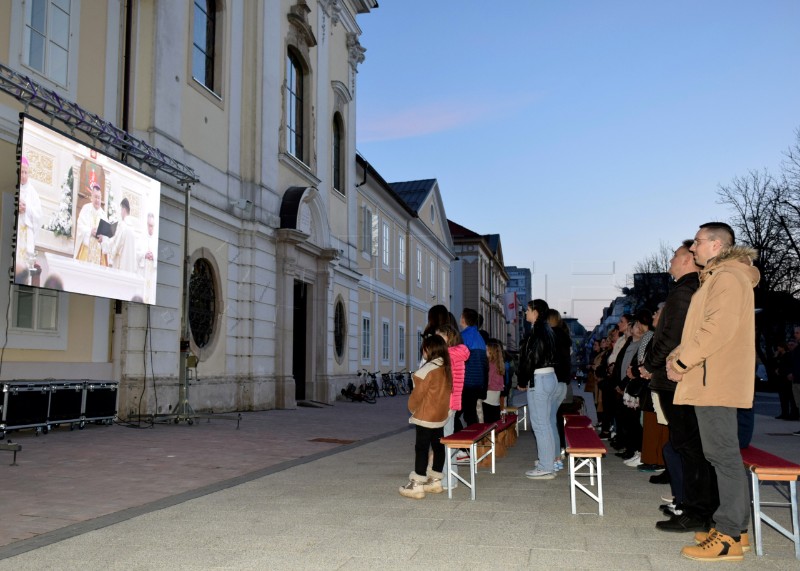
x=572 y=483
x=600 y=484
x=756 y=496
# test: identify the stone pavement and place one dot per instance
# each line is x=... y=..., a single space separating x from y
x=272 y=496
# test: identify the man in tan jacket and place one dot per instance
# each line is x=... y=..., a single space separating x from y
x=714 y=366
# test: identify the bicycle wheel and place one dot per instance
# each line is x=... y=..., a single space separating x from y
x=371 y=393
x=391 y=389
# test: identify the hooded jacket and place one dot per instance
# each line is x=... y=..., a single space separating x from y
x=429 y=403
x=476 y=373
x=717 y=354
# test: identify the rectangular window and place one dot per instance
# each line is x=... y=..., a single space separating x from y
x=366 y=336
x=47 y=29
x=401 y=344
x=401 y=254
x=35 y=309
x=294 y=107
x=385 y=346
x=419 y=266
x=203 y=42
x=444 y=288
x=386 y=244
x=433 y=276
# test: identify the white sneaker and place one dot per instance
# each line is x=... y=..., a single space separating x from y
x=538 y=474
x=635 y=460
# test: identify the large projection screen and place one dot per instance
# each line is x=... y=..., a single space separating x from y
x=85 y=223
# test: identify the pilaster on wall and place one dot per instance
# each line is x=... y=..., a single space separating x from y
x=169 y=77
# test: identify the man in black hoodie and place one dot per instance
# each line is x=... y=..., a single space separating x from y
x=700 y=496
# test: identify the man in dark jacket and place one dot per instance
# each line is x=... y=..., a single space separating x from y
x=476 y=373
x=699 y=496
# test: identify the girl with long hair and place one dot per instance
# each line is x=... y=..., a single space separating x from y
x=429 y=405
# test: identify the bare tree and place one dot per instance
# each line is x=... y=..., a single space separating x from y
x=759 y=204
x=657 y=262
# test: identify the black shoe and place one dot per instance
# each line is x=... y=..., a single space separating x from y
x=682 y=522
x=650 y=468
x=662 y=478
x=794 y=416
x=605 y=435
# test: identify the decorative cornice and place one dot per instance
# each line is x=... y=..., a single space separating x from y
x=332 y=9
x=355 y=52
x=298 y=17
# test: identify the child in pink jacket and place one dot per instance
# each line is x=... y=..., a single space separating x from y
x=459 y=353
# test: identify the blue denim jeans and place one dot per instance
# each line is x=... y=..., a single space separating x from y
x=561 y=394
x=542 y=405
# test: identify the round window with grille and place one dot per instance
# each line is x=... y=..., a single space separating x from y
x=202 y=303
x=339 y=329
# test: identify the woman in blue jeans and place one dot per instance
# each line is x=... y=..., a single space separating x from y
x=537 y=376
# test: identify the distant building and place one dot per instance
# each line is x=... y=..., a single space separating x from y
x=521 y=283
x=480 y=278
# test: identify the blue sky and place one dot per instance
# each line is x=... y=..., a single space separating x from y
x=585 y=133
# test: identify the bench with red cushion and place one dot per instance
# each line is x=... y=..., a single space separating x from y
x=469 y=438
x=577 y=420
x=585 y=449
x=767 y=467
x=505 y=436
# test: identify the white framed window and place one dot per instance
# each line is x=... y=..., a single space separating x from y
x=337 y=152
x=366 y=231
x=401 y=344
x=419 y=267
x=34 y=310
x=294 y=105
x=386 y=241
x=401 y=254
x=443 y=285
x=366 y=337
x=386 y=342
x=433 y=276
x=206 y=45
x=47 y=39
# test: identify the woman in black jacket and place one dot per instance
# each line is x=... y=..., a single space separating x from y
x=537 y=376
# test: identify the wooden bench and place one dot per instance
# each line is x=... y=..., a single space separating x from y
x=504 y=435
x=766 y=467
x=585 y=450
x=469 y=438
x=521 y=412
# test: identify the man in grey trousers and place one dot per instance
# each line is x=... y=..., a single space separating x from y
x=714 y=367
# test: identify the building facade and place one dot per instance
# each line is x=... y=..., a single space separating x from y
x=259 y=100
x=480 y=278
x=520 y=283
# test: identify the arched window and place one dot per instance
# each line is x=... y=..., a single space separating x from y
x=204 y=43
x=294 y=106
x=337 y=154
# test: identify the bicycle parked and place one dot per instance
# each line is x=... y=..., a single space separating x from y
x=366 y=391
x=388 y=385
x=403 y=381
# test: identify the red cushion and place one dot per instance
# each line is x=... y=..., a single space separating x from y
x=760 y=460
x=577 y=420
x=583 y=439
